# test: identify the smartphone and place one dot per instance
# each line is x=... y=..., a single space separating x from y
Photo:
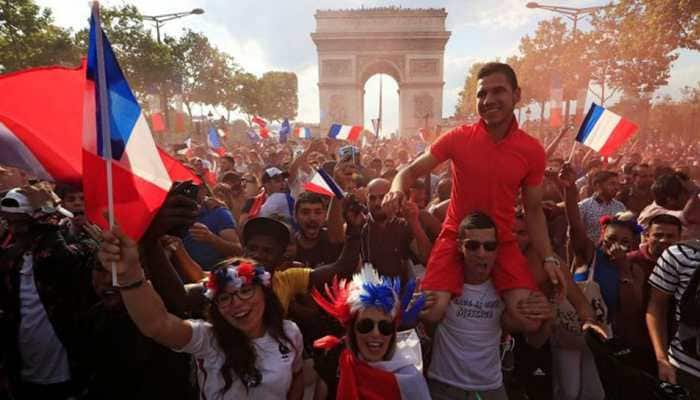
x=187 y=189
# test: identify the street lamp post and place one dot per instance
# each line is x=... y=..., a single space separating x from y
x=160 y=20
x=573 y=13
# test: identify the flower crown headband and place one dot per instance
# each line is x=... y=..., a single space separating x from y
x=235 y=276
x=343 y=299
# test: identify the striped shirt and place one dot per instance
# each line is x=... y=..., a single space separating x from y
x=672 y=273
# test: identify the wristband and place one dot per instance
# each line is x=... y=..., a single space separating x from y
x=132 y=285
x=553 y=260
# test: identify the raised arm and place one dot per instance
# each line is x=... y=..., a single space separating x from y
x=142 y=302
x=583 y=247
x=552 y=147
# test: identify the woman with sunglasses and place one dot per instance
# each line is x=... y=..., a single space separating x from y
x=244 y=349
x=371 y=308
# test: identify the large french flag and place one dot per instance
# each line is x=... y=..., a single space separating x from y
x=345 y=132
x=322 y=183
x=604 y=131
x=302 y=133
x=139 y=175
x=48 y=144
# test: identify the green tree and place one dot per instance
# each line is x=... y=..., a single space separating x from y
x=149 y=66
x=28 y=37
x=466 y=102
x=279 y=92
x=207 y=74
x=249 y=94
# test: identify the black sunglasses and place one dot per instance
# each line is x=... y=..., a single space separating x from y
x=366 y=325
x=474 y=245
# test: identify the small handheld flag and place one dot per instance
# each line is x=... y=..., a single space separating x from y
x=345 y=132
x=322 y=183
x=302 y=133
x=214 y=143
x=604 y=131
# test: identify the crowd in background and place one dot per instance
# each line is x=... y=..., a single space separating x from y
x=622 y=229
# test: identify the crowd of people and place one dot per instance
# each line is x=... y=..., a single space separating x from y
x=481 y=264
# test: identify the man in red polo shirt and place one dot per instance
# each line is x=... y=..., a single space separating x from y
x=492 y=162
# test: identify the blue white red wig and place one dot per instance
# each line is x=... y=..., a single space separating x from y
x=367 y=289
x=234 y=276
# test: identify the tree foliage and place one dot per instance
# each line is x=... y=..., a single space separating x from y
x=279 y=95
x=466 y=102
x=28 y=38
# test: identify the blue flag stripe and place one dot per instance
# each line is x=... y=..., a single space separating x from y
x=335 y=130
x=589 y=122
x=124 y=110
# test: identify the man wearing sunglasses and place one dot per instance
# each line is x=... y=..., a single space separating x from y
x=466 y=359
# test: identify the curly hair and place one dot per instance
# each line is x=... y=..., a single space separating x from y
x=239 y=351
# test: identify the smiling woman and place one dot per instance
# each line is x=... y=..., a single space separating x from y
x=244 y=349
x=371 y=308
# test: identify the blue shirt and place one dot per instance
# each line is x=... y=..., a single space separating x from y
x=216 y=219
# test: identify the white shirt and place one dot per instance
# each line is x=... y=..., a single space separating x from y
x=44 y=359
x=467 y=341
x=276 y=362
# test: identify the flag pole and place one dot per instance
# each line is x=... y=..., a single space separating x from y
x=573 y=150
x=104 y=121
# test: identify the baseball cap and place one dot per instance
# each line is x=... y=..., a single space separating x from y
x=16 y=201
x=268 y=227
x=273 y=172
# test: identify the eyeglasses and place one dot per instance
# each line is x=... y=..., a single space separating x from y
x=474 y=245
x=367 y=325
x=244 y=293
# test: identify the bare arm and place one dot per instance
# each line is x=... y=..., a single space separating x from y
x=657 y=321
x=296 y=389
x=537 y=228
x=583 y=247
x=436 y=304
x=552 y=147
x=405 y=178
x=334 y=221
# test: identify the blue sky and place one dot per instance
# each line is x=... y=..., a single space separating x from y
x=267 y=35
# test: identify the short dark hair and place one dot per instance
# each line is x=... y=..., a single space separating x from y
x=309 y=198
x=498 y=68
x=476 y=220
x=667 y=219
x=666 y=187
x=602 y=176
x=229 y=176
x=229 y=157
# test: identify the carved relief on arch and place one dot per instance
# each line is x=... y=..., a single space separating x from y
x=423 y=105
x=424 y=67
x=336 y=109
x=336 y=68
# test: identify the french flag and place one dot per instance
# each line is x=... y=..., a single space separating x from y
x=302 y=133
x=214 y=143
x=139 y=176
x=322 y=183
x=345 y=132
x=604 y=131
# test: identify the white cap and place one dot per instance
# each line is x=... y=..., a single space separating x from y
x=16 y=202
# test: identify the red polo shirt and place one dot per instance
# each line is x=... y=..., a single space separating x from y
x=487 y=176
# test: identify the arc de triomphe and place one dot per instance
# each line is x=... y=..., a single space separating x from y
x=353 y=45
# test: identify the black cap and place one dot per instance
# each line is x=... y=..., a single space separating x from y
x=267 y=227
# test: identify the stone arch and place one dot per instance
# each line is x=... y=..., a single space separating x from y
x=407 y=44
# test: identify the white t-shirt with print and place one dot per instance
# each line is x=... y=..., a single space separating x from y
x=466 y=345
x=276 y=363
